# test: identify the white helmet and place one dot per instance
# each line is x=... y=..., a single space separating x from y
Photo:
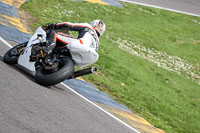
x=99 y=26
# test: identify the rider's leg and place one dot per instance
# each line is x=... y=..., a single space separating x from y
x=51 y=41
x=82 y=54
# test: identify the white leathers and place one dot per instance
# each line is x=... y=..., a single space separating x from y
x=83 y=48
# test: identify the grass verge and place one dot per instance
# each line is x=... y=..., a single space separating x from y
x=149 y=58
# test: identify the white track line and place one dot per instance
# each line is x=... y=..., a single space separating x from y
x=114 y=117
x=111 y=115
x=173 y=10
x=5 y=42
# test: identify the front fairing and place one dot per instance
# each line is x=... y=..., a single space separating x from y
x=34 y=39
x=24 y=58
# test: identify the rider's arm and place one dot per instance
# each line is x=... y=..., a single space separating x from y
x=72 y=26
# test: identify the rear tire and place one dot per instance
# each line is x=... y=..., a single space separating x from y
x=64 y=72
x=10 y=58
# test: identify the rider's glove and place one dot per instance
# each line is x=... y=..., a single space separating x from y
x=51 y=26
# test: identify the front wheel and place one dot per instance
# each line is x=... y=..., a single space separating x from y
x=12 y=55
x=64 y=70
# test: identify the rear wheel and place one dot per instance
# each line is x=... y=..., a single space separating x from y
x=12 y=55
x=51 y=77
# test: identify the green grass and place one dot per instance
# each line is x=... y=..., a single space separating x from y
x=168 y=100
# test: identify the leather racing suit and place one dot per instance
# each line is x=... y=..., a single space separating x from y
x=83 y=48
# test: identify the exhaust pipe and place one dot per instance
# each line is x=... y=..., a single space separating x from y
x=84 y=72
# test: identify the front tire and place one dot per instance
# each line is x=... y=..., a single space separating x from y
x=63 y=72
x=12 y=55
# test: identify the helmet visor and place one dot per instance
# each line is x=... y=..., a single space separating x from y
x=99 y=27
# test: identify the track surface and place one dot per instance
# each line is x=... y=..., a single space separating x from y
x=190 y=6
x=27 y=107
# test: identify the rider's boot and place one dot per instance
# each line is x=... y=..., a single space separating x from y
x=50 y=47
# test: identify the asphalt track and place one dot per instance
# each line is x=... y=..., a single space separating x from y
x=28 y=107
x=191 y=7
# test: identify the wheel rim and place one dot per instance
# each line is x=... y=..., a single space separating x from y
x=44 y=71
x=15 y=52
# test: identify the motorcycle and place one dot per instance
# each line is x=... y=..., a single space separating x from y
x=50 y=68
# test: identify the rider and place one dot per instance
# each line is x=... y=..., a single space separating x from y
x=88 y=36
